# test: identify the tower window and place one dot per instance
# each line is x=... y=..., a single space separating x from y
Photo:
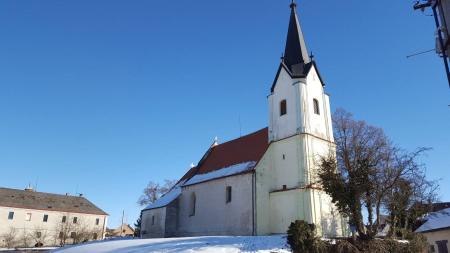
x=316 y=107
x=283 y=109
x=193 y=203
x=228 y=194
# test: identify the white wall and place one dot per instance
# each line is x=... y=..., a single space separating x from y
x=300 y=118
x=298 y=139
x=50 y=229
x=213 y=215
x=156 y=230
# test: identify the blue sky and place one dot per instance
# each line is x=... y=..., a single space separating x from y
x=100 y=97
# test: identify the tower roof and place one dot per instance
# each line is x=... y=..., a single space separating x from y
x=295 y=54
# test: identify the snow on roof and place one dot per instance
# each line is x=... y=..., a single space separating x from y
x=436 y=220
x=166 y=198
x=176 y=190
x=228 y=171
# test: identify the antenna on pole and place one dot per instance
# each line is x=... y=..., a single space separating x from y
x=121 y=226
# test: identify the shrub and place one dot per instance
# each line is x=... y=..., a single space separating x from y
x=418 y=243
x=302 y=238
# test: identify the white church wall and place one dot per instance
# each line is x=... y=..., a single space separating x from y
x=286 y=125
x=213 y=215
x=281 y=170
x=153 y=223
x=318 y=123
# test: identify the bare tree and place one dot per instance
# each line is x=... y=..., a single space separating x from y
x=63 y=229
x=364 y=172
x=39 y=236
x=9 y=237
x=25 y=240
x=153 y=191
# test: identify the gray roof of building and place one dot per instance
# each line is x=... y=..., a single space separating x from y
x=47 y=201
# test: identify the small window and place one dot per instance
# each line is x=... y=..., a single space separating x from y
x=61 y=235
x=64 y=219
x=97 y=221
x=316 y=107
x=75 y=220
x=28 y=217
x=38 y=234
x=153 y=220
x=45 y=218
x=228 y=194
x=442 y=246
x=193 y=203
x=10 y=215
x=95 y=236
x=283 y=109
x=284 y=156
x=73 y=235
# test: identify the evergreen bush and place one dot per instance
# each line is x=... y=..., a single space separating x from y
x=302 y=238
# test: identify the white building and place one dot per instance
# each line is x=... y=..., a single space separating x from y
x=437 y=230
x=29 y=218
x=259 y=183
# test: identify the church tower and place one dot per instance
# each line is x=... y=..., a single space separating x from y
x=300 y=131
x=298 y=103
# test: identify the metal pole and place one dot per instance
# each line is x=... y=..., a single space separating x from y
x=441 y=42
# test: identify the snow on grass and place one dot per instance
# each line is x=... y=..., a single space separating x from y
x=228 y=171
x=208 y=244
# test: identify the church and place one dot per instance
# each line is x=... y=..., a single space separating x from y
x=259 y=183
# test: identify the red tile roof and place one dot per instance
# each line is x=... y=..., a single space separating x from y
x=246 y=148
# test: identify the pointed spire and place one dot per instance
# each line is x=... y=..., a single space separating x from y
x=295 y=53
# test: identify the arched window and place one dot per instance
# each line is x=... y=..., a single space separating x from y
x=316 y=107
x=283 y=109
x=193 y=203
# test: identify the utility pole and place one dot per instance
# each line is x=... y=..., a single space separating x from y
x=436 y=6
x=121 y=226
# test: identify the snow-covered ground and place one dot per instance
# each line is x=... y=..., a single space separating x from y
x=213 y=244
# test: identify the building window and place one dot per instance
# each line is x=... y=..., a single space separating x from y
x=316 y=107
x=28 y=217
x=75 y=220
x=45 y=218
x=97 y=221
x=73 y=235
x=153 y=220
x=283 y=109
x=10 y=215
x=228 y=194
x=95 y=236
x=442 y=246
x=38 y=234
x=193 y=203
x=61 y=235
x=64 y=219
